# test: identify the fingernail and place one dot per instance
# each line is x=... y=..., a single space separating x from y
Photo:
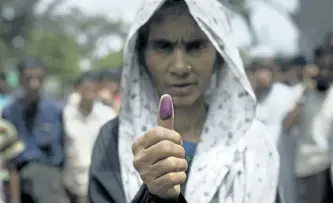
x=166 y=107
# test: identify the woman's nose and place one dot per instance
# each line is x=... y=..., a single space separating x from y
x=179 y=63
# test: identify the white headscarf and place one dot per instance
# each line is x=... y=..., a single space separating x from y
x=235 y=158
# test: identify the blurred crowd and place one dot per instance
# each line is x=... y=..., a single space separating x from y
x=294 y=101
x=46 y=145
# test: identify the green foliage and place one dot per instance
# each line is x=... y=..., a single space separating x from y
x=112 y=60
x=92 y=28
x=59 y=52
x=55 y=37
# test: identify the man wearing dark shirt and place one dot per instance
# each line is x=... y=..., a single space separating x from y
x=39 y=126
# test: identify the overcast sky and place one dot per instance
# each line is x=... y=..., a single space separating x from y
x=114 y=9
x=124 y=9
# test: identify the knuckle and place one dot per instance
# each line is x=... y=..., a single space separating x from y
x=177 y=178
x=182 y=177
x=171 y=177
x=137 y=163
x=185 y=165
x=171 y=162
x=166 y=145
x=182 y=165
x=158 y=131
x=134 y=148
x=177 y=137
x=182 y=152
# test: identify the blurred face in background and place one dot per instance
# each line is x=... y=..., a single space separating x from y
x=109 y=88
x=324 y=78
x=88 y=91
x=32 y=80
x=112 y=86
x=263 y=77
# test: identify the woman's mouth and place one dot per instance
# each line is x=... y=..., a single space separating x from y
x=181 y=89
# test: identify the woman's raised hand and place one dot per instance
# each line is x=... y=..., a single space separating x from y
x=159 y=155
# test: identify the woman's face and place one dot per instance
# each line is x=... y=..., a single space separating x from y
x=180 y=58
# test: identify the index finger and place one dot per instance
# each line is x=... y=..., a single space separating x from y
x=165 y=112
x=155 y=136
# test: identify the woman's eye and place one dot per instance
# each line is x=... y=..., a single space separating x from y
x=195 y=46
x=162 y=46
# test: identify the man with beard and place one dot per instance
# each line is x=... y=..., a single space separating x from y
x=312 y=158
x=278 y=110
x=271 y=96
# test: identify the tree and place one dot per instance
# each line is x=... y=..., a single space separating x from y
x=89 y=30
x=112 y=60
x=55 y=37
x=59 y=52
x=17 y=19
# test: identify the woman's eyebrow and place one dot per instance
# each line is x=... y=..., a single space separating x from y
x=161 y=40
x=194 y=40
x=182 y=41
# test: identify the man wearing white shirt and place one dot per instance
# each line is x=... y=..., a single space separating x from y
x=82 y=122
x=313 y=136
x=278 y=111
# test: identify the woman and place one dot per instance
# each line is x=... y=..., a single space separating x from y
x=176 y=48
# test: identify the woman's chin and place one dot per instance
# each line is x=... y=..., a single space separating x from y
x=181 y=101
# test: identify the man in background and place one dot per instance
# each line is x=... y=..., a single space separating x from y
x=110 y=85
x=74 y=97
x=313 y=135
x=276 y=111
x=38 y=122
x=82 y=122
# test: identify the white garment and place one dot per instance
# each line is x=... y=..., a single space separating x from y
x=297 y=91
x=325 y=122
x=275 y=107
x=319 y=153
x=73 y=98
x=81 y=133
x=235 y=158
x=314 y=153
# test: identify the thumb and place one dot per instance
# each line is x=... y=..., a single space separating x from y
x=165 y=112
